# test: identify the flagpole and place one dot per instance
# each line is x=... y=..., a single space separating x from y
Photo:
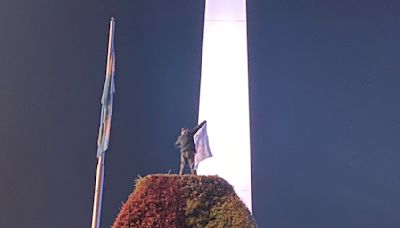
x=98 y=193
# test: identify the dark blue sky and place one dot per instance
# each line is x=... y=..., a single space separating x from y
x=324 y=92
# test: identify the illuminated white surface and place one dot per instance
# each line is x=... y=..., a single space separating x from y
x=224 y=95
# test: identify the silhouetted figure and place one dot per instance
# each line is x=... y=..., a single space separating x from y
x=185 y=143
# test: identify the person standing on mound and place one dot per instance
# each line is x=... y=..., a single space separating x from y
x=185 y=143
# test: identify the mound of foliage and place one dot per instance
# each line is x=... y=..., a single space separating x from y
x=183 y=201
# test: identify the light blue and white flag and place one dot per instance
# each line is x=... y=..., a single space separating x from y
x=203 y=150
x=107 y=103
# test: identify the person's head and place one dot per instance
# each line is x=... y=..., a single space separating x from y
x=184 y=130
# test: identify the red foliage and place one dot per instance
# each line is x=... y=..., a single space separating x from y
x=183 y=201
x=157 y=204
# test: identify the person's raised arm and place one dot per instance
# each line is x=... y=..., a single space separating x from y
x=194 y=130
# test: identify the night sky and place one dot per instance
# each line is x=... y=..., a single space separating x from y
x=324 y=101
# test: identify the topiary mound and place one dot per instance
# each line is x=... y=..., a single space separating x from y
x=183 y=201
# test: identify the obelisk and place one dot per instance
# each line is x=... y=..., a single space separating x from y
x=224 y=94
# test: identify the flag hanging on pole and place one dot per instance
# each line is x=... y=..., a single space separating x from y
x=203 y=150
x=107 y=102
x=105 y=126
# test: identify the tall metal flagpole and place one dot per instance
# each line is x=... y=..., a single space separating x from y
x=105 y=125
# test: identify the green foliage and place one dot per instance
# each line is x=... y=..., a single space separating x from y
x=230 y=214
x=202 y=194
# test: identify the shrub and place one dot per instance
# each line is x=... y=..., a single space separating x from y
x=183 y=201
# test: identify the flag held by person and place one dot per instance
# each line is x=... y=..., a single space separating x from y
x=203 y=150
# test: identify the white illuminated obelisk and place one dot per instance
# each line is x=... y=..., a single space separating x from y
x=224 y=94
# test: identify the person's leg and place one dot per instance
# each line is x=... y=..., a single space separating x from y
x=190 y=158
x=183 y=164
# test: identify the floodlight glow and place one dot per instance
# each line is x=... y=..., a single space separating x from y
x=224 y=94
